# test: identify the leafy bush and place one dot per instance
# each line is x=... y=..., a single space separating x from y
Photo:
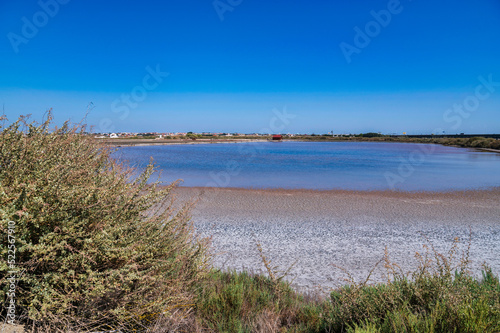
x=98 y=247
x=239 y=302
x=439 y=296
x=102 y=249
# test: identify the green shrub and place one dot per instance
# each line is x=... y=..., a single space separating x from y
x=439 y=296
x=240 y=302
x=98 y=248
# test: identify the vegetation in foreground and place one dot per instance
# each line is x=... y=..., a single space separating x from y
x=95 y=247
x=437 y=297
x=99 y=250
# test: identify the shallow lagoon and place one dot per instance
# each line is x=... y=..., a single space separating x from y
x=321 y=165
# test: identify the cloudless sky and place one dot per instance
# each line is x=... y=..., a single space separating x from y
x=240 y=65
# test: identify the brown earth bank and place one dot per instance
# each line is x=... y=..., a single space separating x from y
x=484 y=141
x=319 y=230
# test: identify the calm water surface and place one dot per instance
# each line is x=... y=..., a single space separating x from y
x=321 y=165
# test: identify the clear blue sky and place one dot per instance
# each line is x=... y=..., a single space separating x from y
x=233 y=65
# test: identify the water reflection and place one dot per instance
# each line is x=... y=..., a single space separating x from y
x=325 y=165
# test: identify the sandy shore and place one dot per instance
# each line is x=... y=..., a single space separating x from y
x=319 y=229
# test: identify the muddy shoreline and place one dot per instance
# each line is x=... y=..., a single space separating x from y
x=318 y=230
